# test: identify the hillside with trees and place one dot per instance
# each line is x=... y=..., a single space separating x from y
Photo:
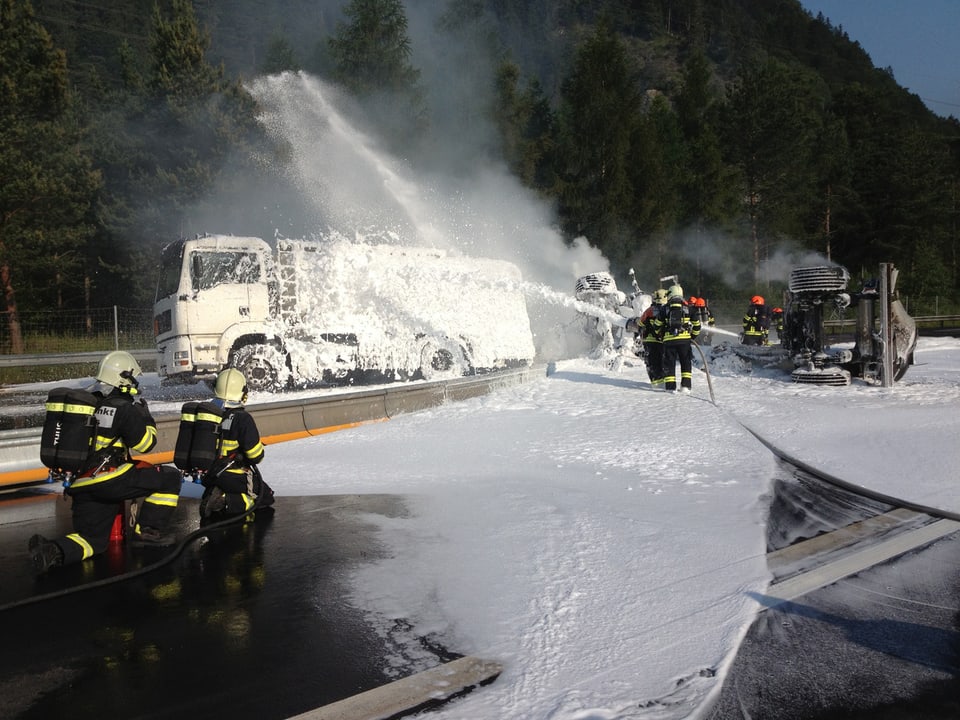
x=699 y=137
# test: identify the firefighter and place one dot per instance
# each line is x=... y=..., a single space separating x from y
x=678 y=329
x=234 y=485
x=698 y=308
x=652 y=342
x=111 y=476
x=756 y=323
x=778 y=323
x=706 y=314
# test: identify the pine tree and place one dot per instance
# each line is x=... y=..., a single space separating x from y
x=47 y=186
x=371 y=55
x=525 y=123
x=165 y=143
x=772 y=119
x=598 y=115
x=280 y=56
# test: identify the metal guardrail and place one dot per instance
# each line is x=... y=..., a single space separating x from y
x=69 y=358
x=940 y=321
x=283 y=420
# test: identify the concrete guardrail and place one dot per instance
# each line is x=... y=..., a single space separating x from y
x=282 y=420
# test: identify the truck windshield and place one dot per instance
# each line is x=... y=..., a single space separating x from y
x=170 y=263
x=209 y=269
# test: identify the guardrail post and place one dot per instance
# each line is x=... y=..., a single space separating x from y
x=116 y=330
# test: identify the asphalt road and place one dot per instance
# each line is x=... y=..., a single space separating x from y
x=256 y=621
x=882 y=644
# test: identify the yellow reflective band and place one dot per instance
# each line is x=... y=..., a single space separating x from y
x=79 y=409
x=247 y=501
x=230 y=445
x=255 y=451
x=72 y=408
x=84 y=545
x=102 y=477
x=103 y=441
x=209 y=417
x=148 y=440
x=165 y=499
x=188 y=417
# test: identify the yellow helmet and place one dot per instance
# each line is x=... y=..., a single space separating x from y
x=231 y=386
x=660 y=296
x=119 y=369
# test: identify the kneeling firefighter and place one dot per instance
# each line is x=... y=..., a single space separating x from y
x=219 y=442
x=87 y=440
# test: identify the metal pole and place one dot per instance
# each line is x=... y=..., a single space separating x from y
x=886 y=331
x=706 y=369
x=116 y=330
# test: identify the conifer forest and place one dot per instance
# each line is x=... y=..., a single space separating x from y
x=656 y=130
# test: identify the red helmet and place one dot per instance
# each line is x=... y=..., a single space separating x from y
x=701 y=302
x=692 y=300
x=778 y=310
x=756 y=300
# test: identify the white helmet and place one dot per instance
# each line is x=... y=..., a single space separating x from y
x=675 y=291
x=231 y=386
x=119 y=369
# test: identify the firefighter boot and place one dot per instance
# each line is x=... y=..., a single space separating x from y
x=44 y=554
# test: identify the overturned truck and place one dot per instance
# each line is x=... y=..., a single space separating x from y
x=884 y=339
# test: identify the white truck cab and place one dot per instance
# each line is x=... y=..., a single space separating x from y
x=213 y=294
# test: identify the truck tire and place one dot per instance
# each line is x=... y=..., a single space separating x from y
x=263 y=365
x=442 y=359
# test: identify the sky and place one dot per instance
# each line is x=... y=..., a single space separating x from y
x=917 y=39
x=603 y=541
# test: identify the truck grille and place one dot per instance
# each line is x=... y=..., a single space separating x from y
x=819 y=279
x=601 y=283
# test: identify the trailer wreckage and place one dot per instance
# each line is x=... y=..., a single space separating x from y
x=884 y=338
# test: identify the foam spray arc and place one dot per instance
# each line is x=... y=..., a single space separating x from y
x=337 y=165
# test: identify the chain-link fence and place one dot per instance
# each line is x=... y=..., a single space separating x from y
x=71 y=331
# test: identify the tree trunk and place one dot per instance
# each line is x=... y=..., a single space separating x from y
x=86 y=304
x=13 y=317
x=826 y=218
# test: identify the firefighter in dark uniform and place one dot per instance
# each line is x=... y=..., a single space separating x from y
x=652 y=343
x=706 y=317
x=678 y=328
x=123 y=425
x=756 y=323
x=234 y=485
x=778 y=323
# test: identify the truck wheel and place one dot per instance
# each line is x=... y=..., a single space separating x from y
x=442 y=360
x=264 y=367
